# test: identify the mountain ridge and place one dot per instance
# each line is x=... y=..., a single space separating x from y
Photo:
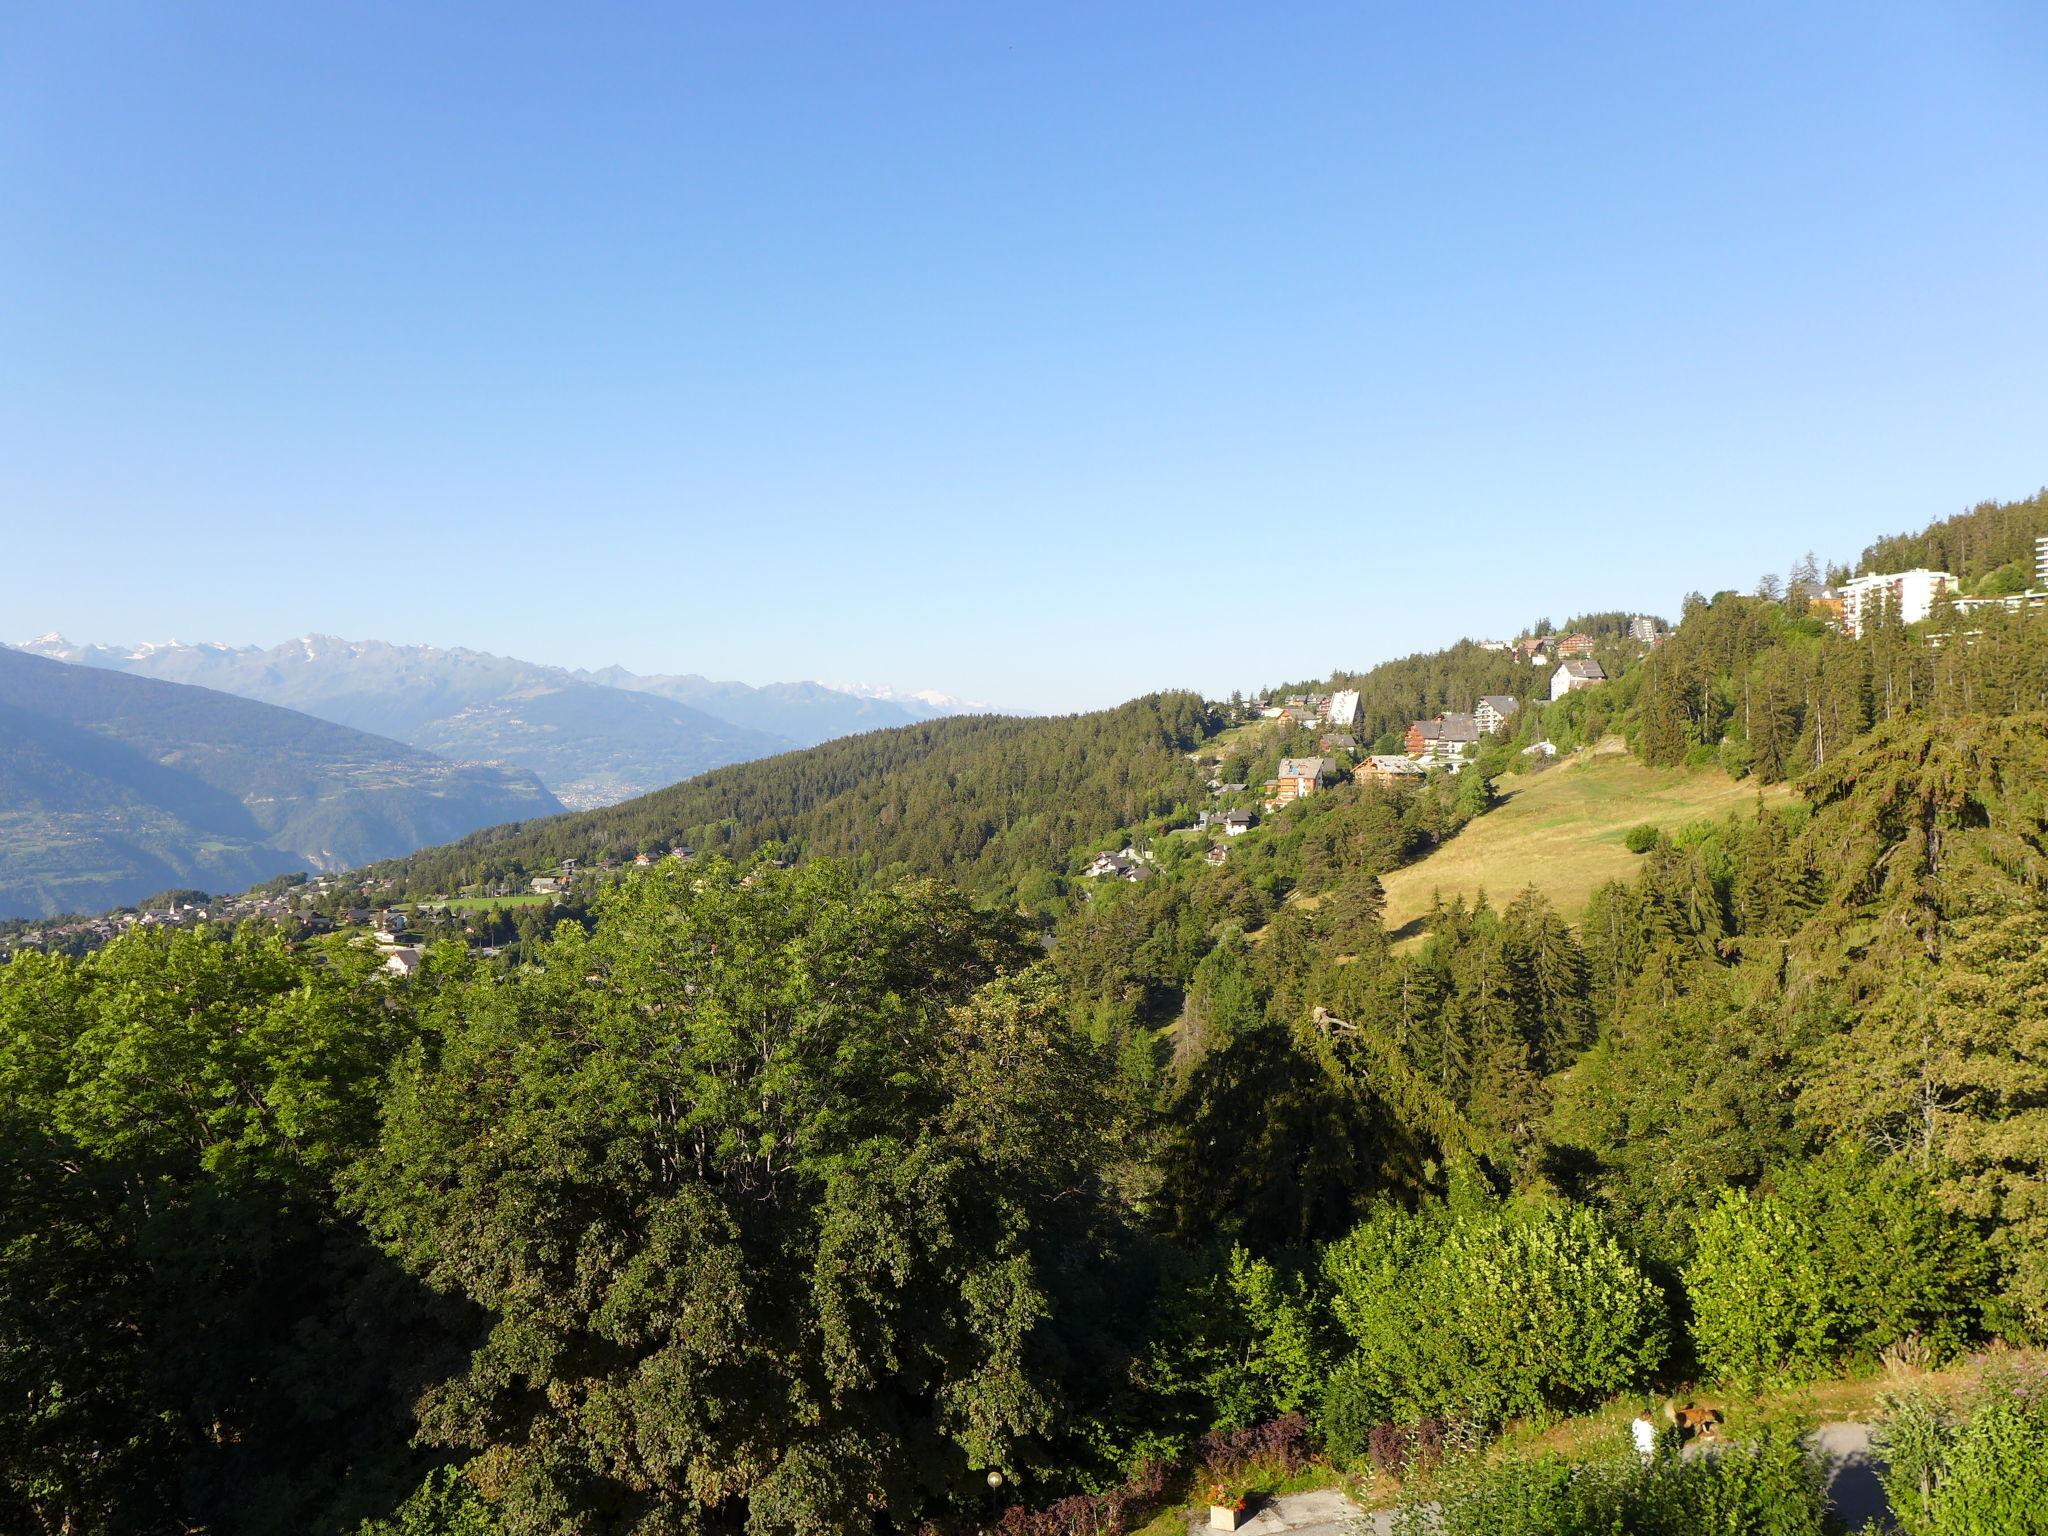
x=115 y=786
x=594 y=736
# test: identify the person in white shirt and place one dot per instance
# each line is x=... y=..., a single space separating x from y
x=1644 y=1432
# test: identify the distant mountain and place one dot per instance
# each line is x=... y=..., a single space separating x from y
x=590 y=743
x=593 y=737
x=803 y=713
x=112 y=787
x=926 y=703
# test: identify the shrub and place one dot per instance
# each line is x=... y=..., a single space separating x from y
x=1900 y=1265
x=1352 y=1414
x=1764 y=1311
x=1492 y=1312
x=1948 y=1474
x=1121 y=1509
x=1641 y=839
x=1848 y=1255
x=1770 y=1485
x=446 y=1504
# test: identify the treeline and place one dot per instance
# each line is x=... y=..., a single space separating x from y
x=979 y=799
x=1976 y=546
x=1746 y=684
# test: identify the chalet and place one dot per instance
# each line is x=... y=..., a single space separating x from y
x=1338 y=741
x=1571 y=676
x=402 y=962
x=1443 y=739
x=1383 y=768
x=1128 y=865
x=1492 y=711
x=1216 y=855
x=1574 y=645
x=546 y=885
x=1298 y=776
x=1237 y=823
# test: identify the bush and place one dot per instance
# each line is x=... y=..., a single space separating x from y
x=1846 y=1257
x=1641 y=839
x=1122 y=1509
x=1770 y=1485
x=1960 y=1475
x=446 y=1504
x=1900 y=1265
x=1764 y=1311
x=1480 y=1316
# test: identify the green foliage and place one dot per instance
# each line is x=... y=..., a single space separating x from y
x=186 y=1329
x=1771 y=1486
x=1970 y=1473
x=981 y=800
x=1764 y=1312
x=446 y=1504
x=1485 y=1313
x=769 y=1188
x=1843 y=1256
x=1641 y=839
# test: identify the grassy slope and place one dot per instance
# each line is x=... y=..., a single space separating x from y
x=1561 y=831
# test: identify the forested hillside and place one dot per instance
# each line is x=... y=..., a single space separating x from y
x=119 y=786
x=1992 y=542
x=984 y=799
x=876 y=1169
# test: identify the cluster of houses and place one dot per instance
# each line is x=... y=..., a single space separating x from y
x=287 y=909
x=1340 y=710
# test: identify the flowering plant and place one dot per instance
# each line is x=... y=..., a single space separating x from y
x=1223 y=1496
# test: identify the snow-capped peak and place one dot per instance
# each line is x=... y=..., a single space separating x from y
x=930 y=698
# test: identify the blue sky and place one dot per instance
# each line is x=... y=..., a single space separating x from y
x=1042 y=354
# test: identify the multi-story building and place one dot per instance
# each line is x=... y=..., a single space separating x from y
x=1908 y=595
x=1341 y=709
x=1298 y=776
x=2041 y=562
x=1645 y=629
x=1443 y=739
x=1574 y=645
x=1492 y=711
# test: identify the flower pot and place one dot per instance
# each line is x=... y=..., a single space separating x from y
x=1225 y=1517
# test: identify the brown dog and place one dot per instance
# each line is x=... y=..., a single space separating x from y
x=1694 y=1422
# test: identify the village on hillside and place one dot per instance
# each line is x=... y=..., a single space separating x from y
x=487 y=917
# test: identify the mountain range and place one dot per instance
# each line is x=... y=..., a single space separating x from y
x=113 y=787
x=592 y=737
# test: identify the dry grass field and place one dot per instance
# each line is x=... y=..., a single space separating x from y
x=1561 y=831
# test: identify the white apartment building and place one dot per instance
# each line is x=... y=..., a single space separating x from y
x=1909 y=594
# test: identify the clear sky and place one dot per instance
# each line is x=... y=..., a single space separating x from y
x=1044 y=354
